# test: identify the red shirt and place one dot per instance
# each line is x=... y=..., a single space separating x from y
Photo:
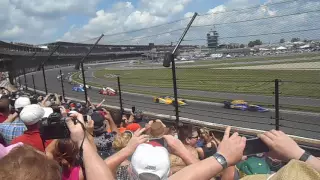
x=2 y=118
x=32 y=138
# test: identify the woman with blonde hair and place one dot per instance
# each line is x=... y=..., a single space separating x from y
x=210 y=143
x=120 y=142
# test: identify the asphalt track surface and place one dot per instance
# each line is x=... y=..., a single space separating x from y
x=299 y=124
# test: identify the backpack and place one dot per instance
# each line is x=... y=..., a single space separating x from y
x=253 y=165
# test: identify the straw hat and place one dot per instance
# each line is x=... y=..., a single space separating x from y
x=157 y=128
x=294 y=170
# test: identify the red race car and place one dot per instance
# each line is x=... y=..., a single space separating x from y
x=108 y=91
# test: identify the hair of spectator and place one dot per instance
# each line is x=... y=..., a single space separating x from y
x=65 y=153
x=2 y=141
x=121 y=141
x=4 y=105
x=23 y=163
x=185 y=132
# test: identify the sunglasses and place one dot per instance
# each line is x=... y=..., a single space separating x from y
x=195 y=137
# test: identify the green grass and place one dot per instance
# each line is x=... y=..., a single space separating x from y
x=232 y=60
x=223 y=65
x=305 y=83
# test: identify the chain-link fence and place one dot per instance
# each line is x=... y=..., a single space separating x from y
x=255 y=67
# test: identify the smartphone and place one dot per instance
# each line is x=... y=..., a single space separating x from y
x=255 y=146
x=133 y=109
x=85 y=118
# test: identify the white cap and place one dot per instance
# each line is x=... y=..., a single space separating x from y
x=73 y=112
x=151 y=161
x=31 y=114
x=47 y=111
x=21 y=102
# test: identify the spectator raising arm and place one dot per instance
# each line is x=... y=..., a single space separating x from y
x=57 y=101
x=115 y=160
x=95 y=167
x=284 y=148
x=50 y=148
x=43 y=103
x=131 y=118
x=177 y=148
x=89 y=133
x=231 y=148
x=90 y=104
x=109 y=118
x=101 y=103
x=11 y=117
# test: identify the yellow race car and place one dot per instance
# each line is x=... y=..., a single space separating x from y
x=168 y=100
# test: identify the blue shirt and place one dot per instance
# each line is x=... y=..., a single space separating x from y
x=11 y=130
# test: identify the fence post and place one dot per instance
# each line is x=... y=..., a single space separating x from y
x=44 y=80
x=276 y=103
x=120 y=96
x=42 y=67
x=19 y=80
x=25 y=79
x=34 y=85
x=173 y=68
x=61 y=80
x=82 y=68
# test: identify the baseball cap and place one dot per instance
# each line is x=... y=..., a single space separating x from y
x=73 y=112
x=21 y=102
x=47 y=111
x=78 y=105
x=31 y=114
x=98 y=120
x=150 y=161
x=133 y=127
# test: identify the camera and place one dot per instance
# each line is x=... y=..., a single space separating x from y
x=54 y=127
x=33 y=99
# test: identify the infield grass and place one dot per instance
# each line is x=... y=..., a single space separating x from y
x=257 y=58
x=294 y=82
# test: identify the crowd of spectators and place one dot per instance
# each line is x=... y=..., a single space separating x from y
x=92 y=146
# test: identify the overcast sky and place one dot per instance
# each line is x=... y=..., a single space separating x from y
x=42 y=21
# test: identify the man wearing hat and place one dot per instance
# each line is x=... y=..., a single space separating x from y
x=13 y=126
x=31 y=115
x=157 y=129
x=150 y=161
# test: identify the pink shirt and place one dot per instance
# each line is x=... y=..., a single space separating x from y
x=73 y=174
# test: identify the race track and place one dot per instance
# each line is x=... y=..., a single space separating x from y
x=304 y=124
